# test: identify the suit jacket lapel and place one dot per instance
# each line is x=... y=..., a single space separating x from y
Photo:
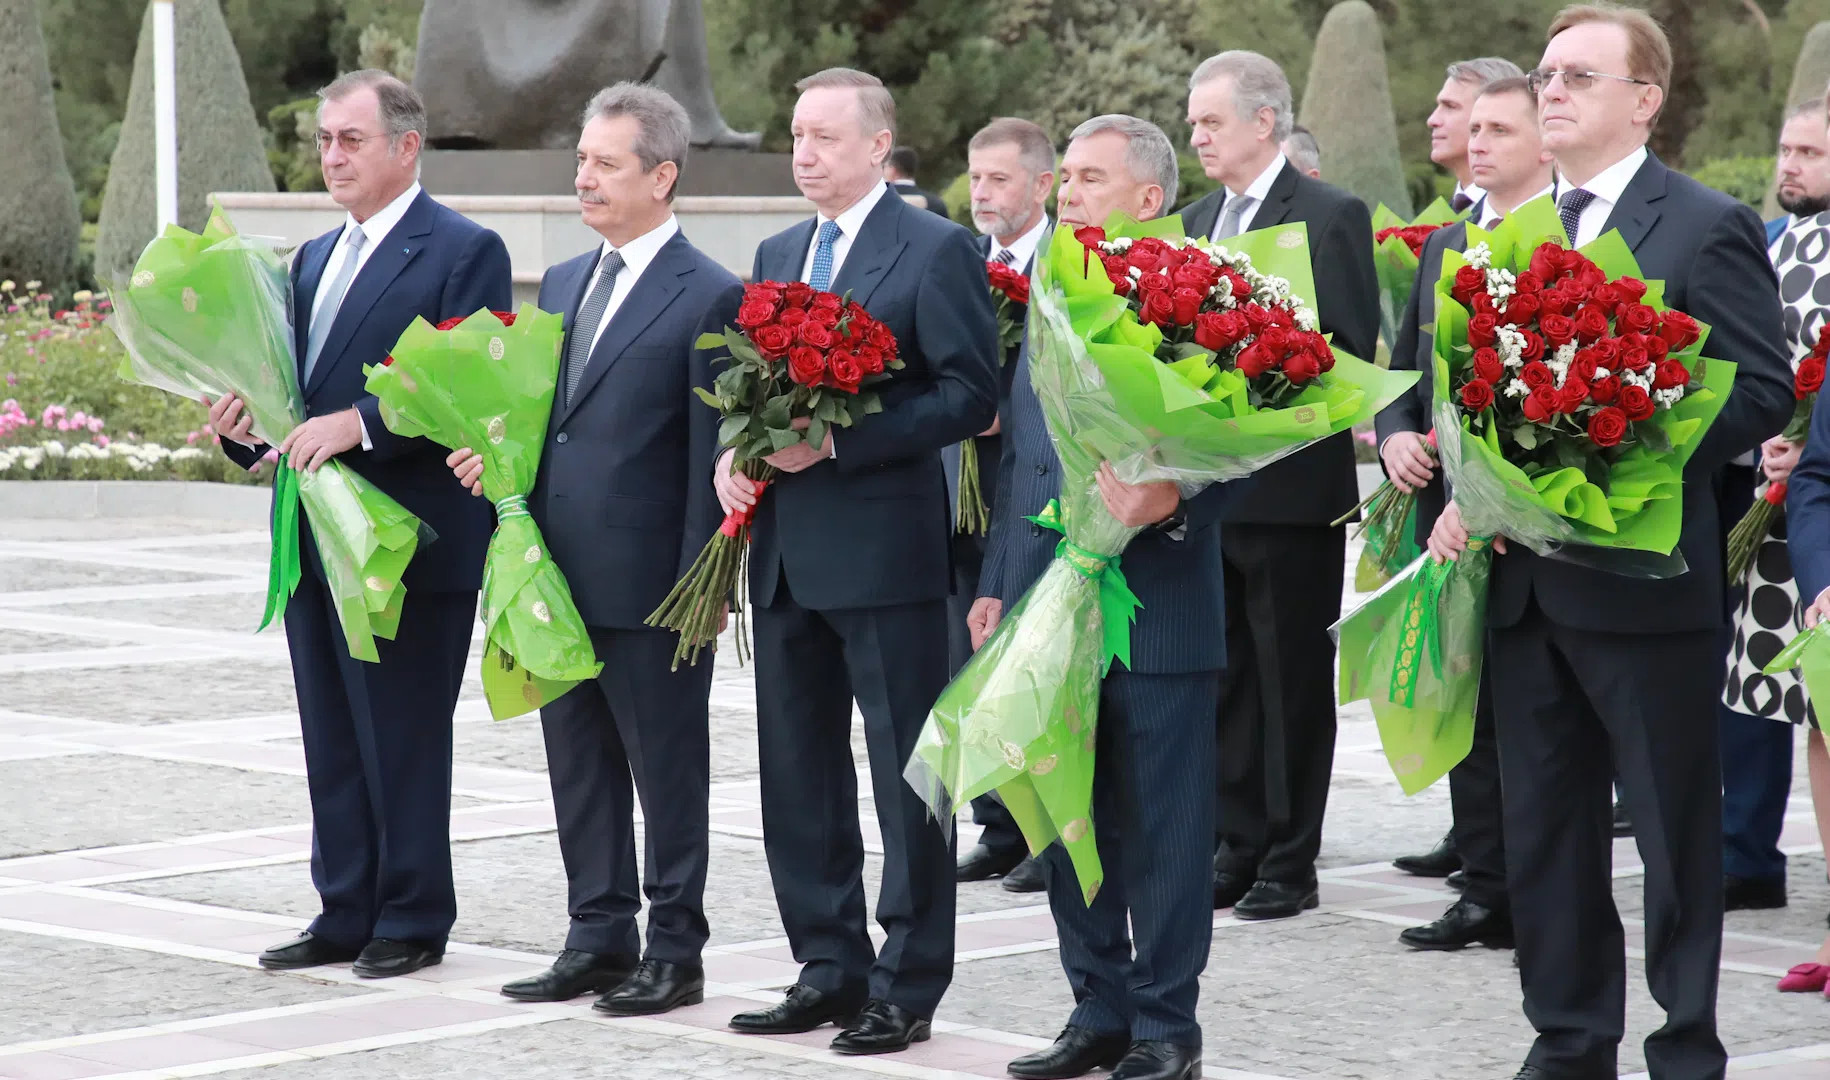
x=1200 y=218
x=390 y=257
x=791 y=255
x=653 y=291
x=1637 y=211
x=1277 y=201
x=874 y=250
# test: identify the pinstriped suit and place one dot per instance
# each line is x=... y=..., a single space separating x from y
x=1153 y=802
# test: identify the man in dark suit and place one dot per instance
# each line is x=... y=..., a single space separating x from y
x=1276 y=717
x=899 y=172
x=1011 y=166
x=378 y=736
x=625 y=506
x=1507 y=159
x=849 y=576
x=1591 y=668
x=1134 y=955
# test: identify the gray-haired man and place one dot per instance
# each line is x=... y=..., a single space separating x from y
x=624 y=502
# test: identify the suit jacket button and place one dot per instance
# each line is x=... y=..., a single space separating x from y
x=1042 y=470
x=561 y=440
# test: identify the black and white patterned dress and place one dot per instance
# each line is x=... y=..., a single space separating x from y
x=1769 y=614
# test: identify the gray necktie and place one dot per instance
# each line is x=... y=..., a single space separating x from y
x=1229 y=218
x=333 y=299
x=590 y=316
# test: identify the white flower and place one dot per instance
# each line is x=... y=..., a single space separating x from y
x=1668 y=397
x=1480 y=256
x=1601 y=373
x=1517 y=388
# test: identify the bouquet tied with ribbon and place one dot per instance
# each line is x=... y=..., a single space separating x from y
x=486 y=382
x=206 y=314
x=1568 y=399
x=1397 y=248
x=1173 y=359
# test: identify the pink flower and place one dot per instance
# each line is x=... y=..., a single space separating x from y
x=102 y=441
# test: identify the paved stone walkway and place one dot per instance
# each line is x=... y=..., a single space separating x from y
x=154 y=832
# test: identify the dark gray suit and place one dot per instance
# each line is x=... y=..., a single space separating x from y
x=625 y=501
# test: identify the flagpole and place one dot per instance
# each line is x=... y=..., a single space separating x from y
x=165 y=112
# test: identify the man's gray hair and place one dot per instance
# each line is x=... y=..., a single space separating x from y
x=400 y=106
x=1258 y=83
x=1148 y=154
x=665 y=130
x=876 y=108
x=1034 y=150
x=1483 y=69
x=1805 y=108
x=1305 y=152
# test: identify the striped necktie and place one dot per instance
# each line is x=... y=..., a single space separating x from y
x=1006 y=257
x=590 y=316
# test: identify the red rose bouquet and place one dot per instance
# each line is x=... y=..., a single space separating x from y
x=1397 y=247
x=1745 y=538
x=799 y=363
x=1010 y=294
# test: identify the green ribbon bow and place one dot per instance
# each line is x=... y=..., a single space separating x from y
x=283 y=561
x=1419 y=625
x=1118 y=605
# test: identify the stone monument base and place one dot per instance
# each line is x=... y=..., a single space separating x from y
x=709 y=171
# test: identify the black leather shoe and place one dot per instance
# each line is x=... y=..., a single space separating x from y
x=1440 y=862
x=981 y=863
x=575 y=972
x=1457 y=881
x=1025 y=877
x=1275 y=900
x=1623 y=825
x=881 y=1028
x=1230 y=888
x=1465 y=923
x=1149 y=1059
x=305 y=951
x=1752 y=894
x=803 y=1009
x=656 y=987
x=1076 y=1052
x=385 y=959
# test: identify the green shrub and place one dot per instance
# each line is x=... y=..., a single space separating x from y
x=1348 y=104
x=291 y=150
x=38 y=213
x=1745 y=178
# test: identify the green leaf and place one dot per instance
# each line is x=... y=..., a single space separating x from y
x=782 y=438
x=708 y=397
x=732 y=428
x=1526 y=435
x=709 y=340
x=777 y=411
x=816 y=433
x=871 y=404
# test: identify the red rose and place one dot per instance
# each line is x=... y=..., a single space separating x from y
x=1153 y=283
x=1259 y=318
x=1634 y=288
x=1019 y=290
x=1558 y=330
x=772 y=340
x=1324 y=353
x=1090 y=236
x=1481 y=328
x=1633 y=356
x=1679 y=330
x=845 y=371
x=1810 y=376
x=1583 y=365
x=1545 y=261
x=792 y=317
x=754 y=313
x=1528 y=282
x=1158 y=308
x=798 y=293
x=880 y=337
x=1187 y=303
x=1301 y=367
x=870 y=359
x=1611 y=296
x=1636 y=403
x=1255 y=359
x=1536 y=374
x=762 y=292
x=1283 y=316
x=1590 y=276
x=1637 y=318
x=1522 y=309
x=1604 y=391
x=1149 y=254
x=1477 y=395
x=1607 y=427
x=1200 y=276
x=1218 y=330
x=814 y=334
x=1591 y=324
x=827 y=317
x=1534 y=345
x=806 y=365
x=1571 y=395
x=1487 y=365
x=1241 y=288
x=1670 y=373
x=1468 y=281
x=825 y=301
x=1540 y=405
x=1484 y=305
x=1118 y=272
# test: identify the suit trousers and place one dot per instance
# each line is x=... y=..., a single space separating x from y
x=1474 y=799
x=999 y=829
x=1135 y=955
x=1276 y=720
x=1567 y=703
x=809 y=667
x=377 y=743
x=637 y=730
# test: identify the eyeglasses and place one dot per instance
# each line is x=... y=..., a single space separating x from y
x=1574 y=81
x=348 y=140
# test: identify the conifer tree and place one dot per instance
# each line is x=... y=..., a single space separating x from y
x=1348 y=105
x=39 y=223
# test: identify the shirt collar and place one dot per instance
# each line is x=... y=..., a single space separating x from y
x=1023 y=248
x=1261 y=187
x=852 y=220
x=1490 y=215
x=638 y=253
x=382 y=221
x=1611 y=183
x=1474 y=192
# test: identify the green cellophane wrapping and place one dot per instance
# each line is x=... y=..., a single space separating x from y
x=1809 y=652
x=490 y=387
x=207 y=314
x=1021 y=717
x=1631 y=529
x=1396 y=263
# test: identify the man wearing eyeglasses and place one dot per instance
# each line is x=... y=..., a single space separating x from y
x=378 y=736
x=1591 y=668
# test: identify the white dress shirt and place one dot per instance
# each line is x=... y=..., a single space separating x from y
x=1256 y=192
x=849 y=223
x=1490 y=214
x=374 y=233
x=1023 y=248
x=1607 y=187
x=1474 y=192
x=637 y=254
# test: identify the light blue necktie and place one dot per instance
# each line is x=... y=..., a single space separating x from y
x=821 y=277
x=327 y=311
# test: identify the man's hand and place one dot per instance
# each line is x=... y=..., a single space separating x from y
x=1778 y=458
x=986 y=613
x=321 y=438
x=1450 y=537
x=1407 y=461
x=1137 y=505
x=997 y=425
x=229 y=420
x=1817 y=612
x=800 y=455
x=735 y=490
x=467 y=464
